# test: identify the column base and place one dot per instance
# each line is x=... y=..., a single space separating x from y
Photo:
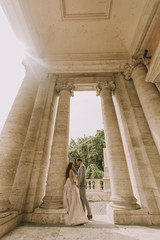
x=128 y=217
x=46 y=216
x=127 y=203
x=52 y=203
x=9 y=221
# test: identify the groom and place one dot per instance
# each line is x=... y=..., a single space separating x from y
x=82 y=187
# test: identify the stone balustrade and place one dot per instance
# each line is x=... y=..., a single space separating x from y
x=95 y=184
x=98 y=189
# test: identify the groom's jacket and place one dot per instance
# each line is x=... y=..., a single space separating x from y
x=82 y=175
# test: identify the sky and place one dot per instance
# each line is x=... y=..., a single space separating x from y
x=11 y=69
x=86 y=115
x=85 y=110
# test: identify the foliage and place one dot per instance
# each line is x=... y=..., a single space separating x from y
x=94 y=172
x=90 y=150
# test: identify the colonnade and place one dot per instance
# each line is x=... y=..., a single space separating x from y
x=34 y=148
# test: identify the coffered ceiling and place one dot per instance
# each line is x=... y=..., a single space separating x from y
x=69 y=34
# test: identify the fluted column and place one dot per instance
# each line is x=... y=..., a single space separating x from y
x=148 y=94
x=13 y=136
x=37 y=187
x=121 y=189
x=28 y=155
x=59 y=152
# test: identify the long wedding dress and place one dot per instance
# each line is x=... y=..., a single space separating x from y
x=73 y=205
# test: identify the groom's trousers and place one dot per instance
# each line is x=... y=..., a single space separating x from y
x=84 y=200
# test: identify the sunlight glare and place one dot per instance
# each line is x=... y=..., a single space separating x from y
x=11 y=71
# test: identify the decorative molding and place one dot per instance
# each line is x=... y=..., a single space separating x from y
x=86 y=66
x=153 y=74
x=93 y=62
x=105 y=85
x=87 y=56
x=84 y=15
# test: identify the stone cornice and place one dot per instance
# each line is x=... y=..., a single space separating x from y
x=86 y=56
x=105 y=85
x=86 y=66
x=65 y=86
x=130 y=66
x=93 y=62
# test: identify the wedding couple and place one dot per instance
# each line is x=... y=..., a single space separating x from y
x=74 y=199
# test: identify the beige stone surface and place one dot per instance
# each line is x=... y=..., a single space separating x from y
x=150 y=101
x=9 y=223
x=39 y=173
x=59 y=152
x=97 y=229
x=82 y=38
x=69 y=37
x=48 y=216
x=122 y=194
x=139 y=146
x=13 y=135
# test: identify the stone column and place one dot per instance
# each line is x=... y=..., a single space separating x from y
x=122 y=195
x=37 y=186
x=13 y=136
x=148 y=95
x=24 y=170
x=59 y=152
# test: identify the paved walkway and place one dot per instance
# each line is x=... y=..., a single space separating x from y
x=97 y=229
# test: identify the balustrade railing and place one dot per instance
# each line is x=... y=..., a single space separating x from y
x=98 y=189
x=96 y=185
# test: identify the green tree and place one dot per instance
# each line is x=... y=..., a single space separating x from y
x=89 y=149
x=94 y=172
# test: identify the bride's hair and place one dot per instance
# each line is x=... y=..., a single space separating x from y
x=68 y=169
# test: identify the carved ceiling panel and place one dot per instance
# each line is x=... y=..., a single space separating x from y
x=85 y=9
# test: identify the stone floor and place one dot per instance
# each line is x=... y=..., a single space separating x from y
x=97 y=229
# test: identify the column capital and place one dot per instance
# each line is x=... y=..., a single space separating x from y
x=108 y=84
x=65 y=86
x=129 y=67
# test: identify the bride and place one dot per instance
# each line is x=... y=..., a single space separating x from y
x=71 y=199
